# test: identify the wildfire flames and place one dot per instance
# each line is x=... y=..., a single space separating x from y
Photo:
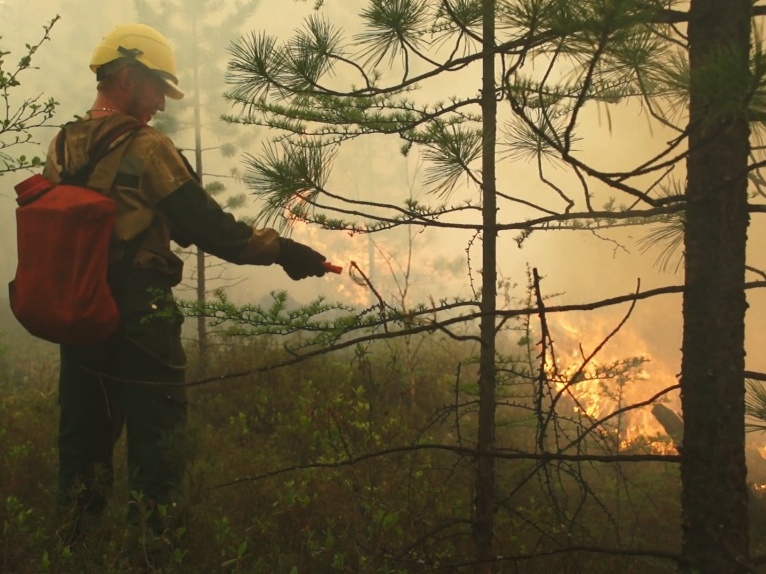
x=597 y=374
x=620 y=374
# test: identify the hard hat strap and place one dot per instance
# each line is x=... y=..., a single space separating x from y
x=129 y=52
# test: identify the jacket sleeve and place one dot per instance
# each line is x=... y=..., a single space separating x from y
x=196 y=218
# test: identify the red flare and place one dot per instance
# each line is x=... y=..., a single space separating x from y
x=330 y=268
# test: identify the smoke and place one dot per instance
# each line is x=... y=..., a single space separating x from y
x=577 y=266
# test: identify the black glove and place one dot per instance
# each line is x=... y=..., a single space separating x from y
x=299 y=261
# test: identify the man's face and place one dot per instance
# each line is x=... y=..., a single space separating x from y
x=148 y=95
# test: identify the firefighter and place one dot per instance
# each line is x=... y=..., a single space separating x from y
x=109 y=386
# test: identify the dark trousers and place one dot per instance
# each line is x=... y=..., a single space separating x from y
x=97 y=402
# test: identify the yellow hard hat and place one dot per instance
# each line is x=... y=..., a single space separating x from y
x=143 y=44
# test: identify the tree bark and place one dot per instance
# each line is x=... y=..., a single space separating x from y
x=483 y=525
x=713 y=472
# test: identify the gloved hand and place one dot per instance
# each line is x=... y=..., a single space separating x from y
x=299 y=261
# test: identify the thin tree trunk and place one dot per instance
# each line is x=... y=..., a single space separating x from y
x=485 y=479
x=713 y=473
x=201 y=265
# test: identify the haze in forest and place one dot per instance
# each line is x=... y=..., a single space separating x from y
x=577 y=266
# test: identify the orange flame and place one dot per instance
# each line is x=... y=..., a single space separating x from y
x=621 y=374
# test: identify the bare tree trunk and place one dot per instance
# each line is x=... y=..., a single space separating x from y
x=201 y=323
x=713 y=473
x=483 y=526
x=201 y=265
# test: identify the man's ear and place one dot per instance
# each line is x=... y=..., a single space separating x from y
x=127 y=78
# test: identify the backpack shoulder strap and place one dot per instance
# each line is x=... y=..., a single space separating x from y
x=96 y=153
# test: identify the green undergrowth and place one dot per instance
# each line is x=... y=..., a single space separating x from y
x=357 y=462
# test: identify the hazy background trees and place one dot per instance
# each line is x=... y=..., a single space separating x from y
x=195 y=122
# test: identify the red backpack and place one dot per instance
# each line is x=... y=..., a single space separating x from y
x=60 y=292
